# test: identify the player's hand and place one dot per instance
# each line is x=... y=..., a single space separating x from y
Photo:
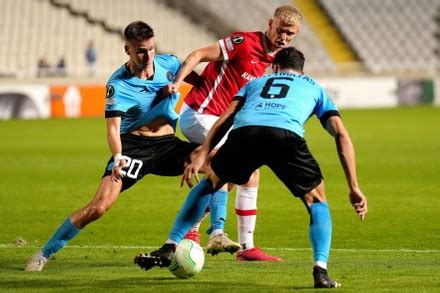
x=359 y=202
x=169 y=89
x=117 y=173
x=193 y=167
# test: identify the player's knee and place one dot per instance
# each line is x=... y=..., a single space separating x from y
x=316 y=195
x=93 y=213
x=87 y=215
x=215 y=181
x=99 y=211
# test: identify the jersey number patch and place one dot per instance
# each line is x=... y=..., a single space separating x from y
x=133 y=165
x=273 y=89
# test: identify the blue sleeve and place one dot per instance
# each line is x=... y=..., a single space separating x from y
x=116 y=102
x=325 y=108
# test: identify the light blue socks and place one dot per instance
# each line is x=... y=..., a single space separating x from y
x=192 y=210
x=320 y=232
x=218 y=206
x=202 y=195
x=63 y=235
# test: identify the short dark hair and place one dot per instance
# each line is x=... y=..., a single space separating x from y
x=138 y=31
x=290 y=57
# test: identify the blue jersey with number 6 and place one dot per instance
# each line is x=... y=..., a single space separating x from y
x=283 y=100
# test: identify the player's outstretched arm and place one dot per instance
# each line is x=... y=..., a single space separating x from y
x=206 y=54
x=347 y=158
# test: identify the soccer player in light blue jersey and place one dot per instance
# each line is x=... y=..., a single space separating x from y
x=140 y=133
x=268 y=116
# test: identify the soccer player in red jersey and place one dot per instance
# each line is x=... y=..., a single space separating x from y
x=233 y=61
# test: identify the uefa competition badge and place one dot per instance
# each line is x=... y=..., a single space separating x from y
x=237 y=39
x=170 y=76
x=109 y=101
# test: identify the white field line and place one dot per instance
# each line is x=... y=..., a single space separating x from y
x=3 y=246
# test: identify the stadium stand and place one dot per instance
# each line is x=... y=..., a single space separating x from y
x=175 y=33
x=55 y=31
x=331 y=40
x=392 y=36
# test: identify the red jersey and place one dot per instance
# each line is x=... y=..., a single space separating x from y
x=245 y=59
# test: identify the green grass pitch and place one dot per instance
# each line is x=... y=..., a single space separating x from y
x=49 y=168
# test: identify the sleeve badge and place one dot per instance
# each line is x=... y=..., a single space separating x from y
x=237 y=39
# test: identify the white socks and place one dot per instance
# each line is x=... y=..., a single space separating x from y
x=246 y=212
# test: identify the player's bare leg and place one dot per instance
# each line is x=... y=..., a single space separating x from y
x=106 y=195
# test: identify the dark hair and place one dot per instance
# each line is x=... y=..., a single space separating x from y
x=290 y=57
x=138 y=31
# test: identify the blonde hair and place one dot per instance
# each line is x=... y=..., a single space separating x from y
x=288 y=14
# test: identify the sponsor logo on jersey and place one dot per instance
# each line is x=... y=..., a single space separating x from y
x=237 y=39
x=248 y=76
x=273 y=105
x=170 y=76
x=270 y=105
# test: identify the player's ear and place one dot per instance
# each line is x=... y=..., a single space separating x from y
x=269 y=23
x=274 y=68
x=126 y=50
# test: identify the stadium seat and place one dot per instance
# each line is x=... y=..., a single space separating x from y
x=394 y=36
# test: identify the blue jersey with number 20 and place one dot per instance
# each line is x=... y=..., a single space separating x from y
x=283 y=100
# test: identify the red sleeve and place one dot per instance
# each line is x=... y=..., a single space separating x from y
x=234 y=45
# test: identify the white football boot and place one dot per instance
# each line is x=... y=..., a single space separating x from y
x=36 y=263
x=221 y=243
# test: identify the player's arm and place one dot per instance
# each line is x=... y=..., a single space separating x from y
x=347 y=158
x=115 y=145
x=206 y=54
x=222 y=125
x=218 y=130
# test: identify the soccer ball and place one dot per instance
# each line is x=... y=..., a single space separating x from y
x=188 y=259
